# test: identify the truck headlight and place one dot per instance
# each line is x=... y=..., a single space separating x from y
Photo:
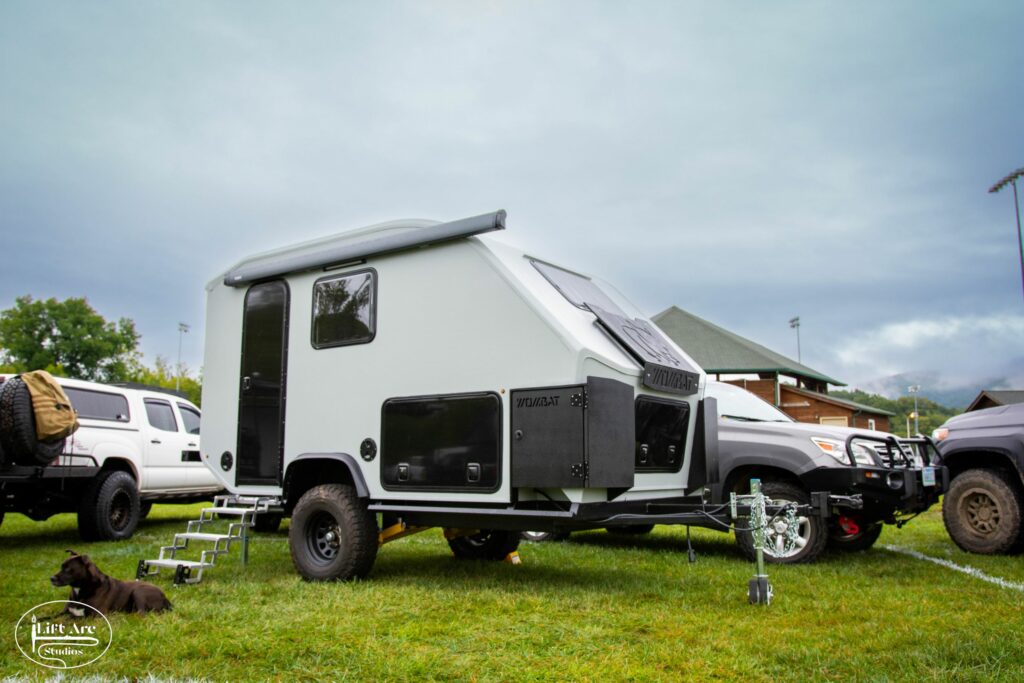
x=837 y=449
x=940 y=434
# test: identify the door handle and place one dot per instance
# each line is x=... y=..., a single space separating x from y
x=155 y=441
x=246 y=383
x=191 y=445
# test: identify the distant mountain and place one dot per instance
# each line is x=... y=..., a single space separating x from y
x=932 y=386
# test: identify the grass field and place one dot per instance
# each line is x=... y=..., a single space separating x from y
x=595 y=608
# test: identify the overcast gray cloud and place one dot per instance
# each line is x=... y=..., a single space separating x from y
x=746 y=161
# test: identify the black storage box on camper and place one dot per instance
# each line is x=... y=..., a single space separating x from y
x=577 y=436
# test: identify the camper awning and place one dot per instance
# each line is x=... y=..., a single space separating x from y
x=273 y=266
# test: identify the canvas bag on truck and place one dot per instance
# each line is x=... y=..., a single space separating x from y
x=55 y=418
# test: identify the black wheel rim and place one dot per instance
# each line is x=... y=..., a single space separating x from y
x=323 y=538
x=120 y=510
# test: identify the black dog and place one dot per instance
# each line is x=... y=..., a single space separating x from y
x=94 y=588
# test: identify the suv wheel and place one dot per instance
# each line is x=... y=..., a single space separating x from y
x=982 y=512
x=109 y=510
x=811 y=535
x=862 y=540
x=333 y=536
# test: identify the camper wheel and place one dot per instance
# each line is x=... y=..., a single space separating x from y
x=333 y=536
x=489 y=544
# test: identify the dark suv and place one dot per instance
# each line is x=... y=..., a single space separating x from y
x=984 y=451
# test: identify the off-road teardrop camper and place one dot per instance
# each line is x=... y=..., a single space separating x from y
x=430 y=374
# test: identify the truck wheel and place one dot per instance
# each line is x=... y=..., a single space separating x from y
x=333 y=536
x=267 y=523
x=862 y=540
x=109 y=510
x=982 y=512
x=489 y=544
x=631 y=529
x=18 y=427
x=812 y=533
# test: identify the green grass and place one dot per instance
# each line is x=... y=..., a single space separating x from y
x=595 y=608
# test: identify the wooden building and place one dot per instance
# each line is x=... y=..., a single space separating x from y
x=799 y=391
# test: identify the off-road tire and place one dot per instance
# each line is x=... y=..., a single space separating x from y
x=817 y=532
x=543 y=536
x=145 y=507
x=631 y=529
x=18 y=427
x=1 y=517
x=333 y=536
x=267 y=522
x=851 y=543
x=109 y=509
x=982 y=512
x=489 y=544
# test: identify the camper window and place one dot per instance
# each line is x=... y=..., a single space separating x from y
x=345 y=309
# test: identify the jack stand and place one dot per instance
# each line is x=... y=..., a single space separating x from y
x=759 y=590
x=690 y=553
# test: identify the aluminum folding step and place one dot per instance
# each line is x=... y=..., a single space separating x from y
x=172 y=563
x=201 y=536
x=244 y=510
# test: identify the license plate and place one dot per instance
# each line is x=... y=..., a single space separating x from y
x=928 y=476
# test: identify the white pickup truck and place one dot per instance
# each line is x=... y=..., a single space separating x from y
x=135 y=445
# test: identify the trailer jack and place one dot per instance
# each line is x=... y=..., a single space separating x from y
x=759 y=588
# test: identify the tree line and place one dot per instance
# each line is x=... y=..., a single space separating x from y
x=70 y=339
x=931 y=414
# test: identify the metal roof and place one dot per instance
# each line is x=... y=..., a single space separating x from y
x=998 y=397
x=720 y=351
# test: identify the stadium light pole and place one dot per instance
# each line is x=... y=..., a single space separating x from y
x=794 y=323
x=182 y=330
x=917 y=422
x=1011 y=179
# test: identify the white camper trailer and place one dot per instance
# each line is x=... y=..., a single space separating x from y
x=434 y=376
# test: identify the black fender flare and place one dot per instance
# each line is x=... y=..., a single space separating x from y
x=346 y=461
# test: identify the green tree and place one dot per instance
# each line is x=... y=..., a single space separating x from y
x=66 y=338
x=163 y=376
x=932 y=414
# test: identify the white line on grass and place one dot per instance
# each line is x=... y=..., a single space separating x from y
x=970 y=571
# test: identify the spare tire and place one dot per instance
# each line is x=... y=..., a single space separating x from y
x=18 y=427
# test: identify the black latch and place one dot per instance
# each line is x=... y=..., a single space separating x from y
x=579 y=400
x=579 y=470
x=473 y=473
x=644 y=452
x=403 y=472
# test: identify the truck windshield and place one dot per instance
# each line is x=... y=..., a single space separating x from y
x=739 y=404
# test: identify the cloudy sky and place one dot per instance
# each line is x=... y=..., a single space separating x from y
x=748 y=161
